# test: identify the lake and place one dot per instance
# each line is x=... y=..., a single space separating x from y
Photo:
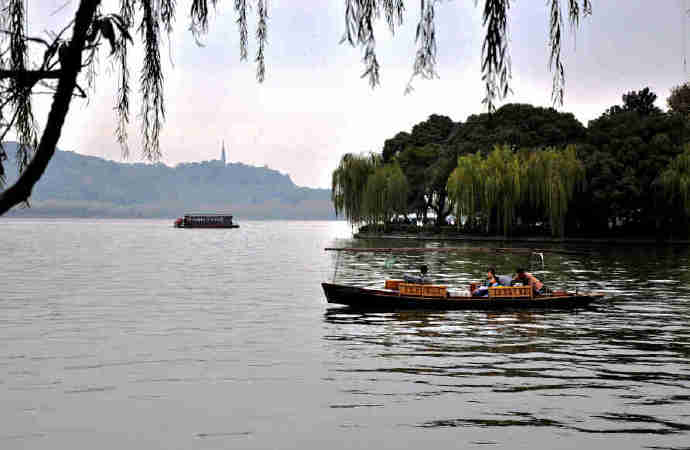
x=133 y=334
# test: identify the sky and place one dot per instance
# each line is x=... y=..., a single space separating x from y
x=313 y=106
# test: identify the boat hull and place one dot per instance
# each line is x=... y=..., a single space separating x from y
x=363 y=298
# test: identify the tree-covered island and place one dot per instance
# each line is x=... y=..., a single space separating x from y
x=529 y=171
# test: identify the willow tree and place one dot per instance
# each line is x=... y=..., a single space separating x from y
x=385 y=194
x=506 y=182
x=491 y=186
x=503 y=175
x=65 y=62
x=348 y=184
x=676 y=181
x=465 y=188
x=552 y=176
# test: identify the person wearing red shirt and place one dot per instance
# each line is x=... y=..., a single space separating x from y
x=528 y=279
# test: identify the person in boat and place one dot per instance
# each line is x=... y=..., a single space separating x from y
x=528 y=279
x=418 y=279
x=491 y=281
x=504 y=280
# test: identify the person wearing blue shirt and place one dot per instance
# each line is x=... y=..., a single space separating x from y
x=491 y=281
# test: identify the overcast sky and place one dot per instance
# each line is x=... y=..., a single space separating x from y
x=314 y=107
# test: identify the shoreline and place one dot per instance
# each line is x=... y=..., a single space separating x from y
x=536 y=239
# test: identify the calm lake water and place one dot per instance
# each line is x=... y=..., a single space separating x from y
x=132 y=334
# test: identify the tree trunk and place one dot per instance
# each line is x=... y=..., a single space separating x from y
x=442 y=213
x=71 y=66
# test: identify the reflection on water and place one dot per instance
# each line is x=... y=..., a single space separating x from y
x=619 y=369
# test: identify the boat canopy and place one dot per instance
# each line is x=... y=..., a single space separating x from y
x=209 y=215
x=518 y=250
x=208 y=219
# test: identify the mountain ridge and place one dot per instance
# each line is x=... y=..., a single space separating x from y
x=76 y=185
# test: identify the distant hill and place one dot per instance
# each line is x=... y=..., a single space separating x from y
x=76 y=185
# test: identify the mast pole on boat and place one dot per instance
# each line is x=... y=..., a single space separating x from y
x=337 y=262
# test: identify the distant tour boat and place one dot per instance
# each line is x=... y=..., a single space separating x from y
x=205 y=221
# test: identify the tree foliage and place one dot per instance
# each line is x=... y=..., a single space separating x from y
x=679 y=100
x=518 y=126
x=640 y=102
x=624 y=155
x=519 y=168
x=466 y=187
x=385 y=195
x=552 y=178
x=349 y=183
x=393 y=146
x=366 y=191
x=506 y=184
x=499 y=185
x=676 y=181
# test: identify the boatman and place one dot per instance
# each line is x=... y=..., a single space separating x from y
x=528 y=279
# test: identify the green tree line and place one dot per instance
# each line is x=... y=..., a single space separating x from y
x=531 y=170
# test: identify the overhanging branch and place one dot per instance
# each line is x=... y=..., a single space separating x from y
x=71 y=62
x=30 y=76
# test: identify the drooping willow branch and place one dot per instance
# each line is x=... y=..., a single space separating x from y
x=123 y=81
x=261 y=39
x=241 y=9
x=20 y=86
x=425 y=58
x=361 y=17
x=498 y=184
x=555 y=40
x=496 y=69
x=151 y=80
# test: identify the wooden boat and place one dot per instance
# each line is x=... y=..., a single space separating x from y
x=205 y=221
x=424 y=297
x=417 y=294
